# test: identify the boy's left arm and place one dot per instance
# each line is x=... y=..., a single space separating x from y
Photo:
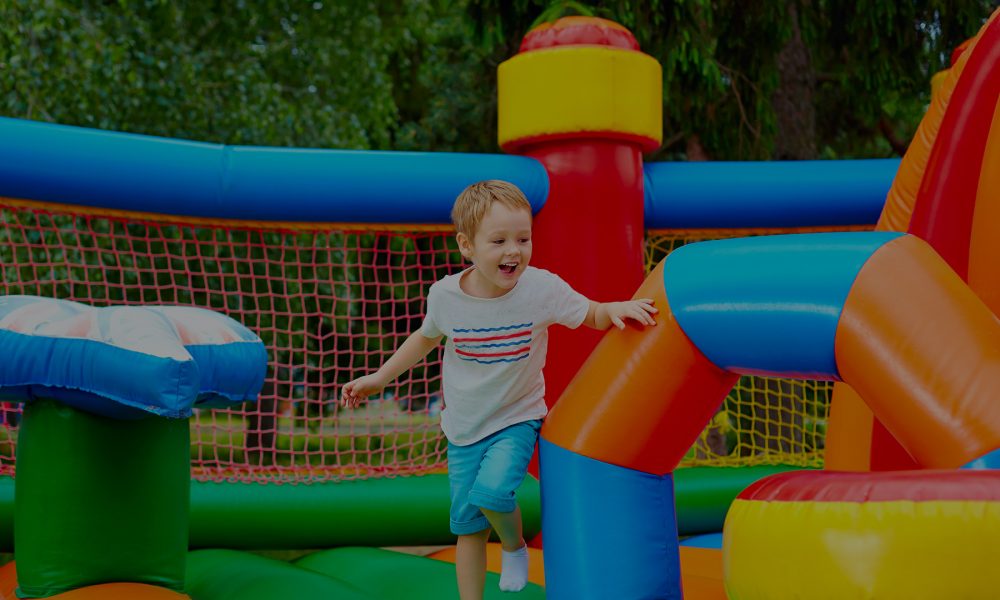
x=602 y=315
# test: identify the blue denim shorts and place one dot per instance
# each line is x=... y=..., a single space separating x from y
x=487 y=473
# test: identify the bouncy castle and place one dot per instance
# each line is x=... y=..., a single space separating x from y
x=812 y=416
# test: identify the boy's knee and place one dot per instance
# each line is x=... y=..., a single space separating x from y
x=469 y=521
x=482 y=535
x=497 y=500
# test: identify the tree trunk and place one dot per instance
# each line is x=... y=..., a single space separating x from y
x=795 y=114
x=694 y=150
x=262 y=430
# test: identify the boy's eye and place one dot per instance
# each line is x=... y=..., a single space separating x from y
x=497 y=242
x=525 y=240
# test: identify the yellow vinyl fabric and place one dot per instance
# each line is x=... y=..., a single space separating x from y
x=568 y=90
x=859 y=550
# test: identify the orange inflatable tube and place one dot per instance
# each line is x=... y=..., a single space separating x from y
x=855 y=441
x=924 y=352
x=665 y=380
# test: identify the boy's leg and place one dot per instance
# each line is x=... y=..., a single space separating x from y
x=467 y=521
x=470 y=565
x=503 y=468
x=514 y=556
x=508 y=527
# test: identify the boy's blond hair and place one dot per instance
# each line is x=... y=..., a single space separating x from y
x=472 y=204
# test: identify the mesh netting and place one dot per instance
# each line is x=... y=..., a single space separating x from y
x=764 y=420
x=330 y=305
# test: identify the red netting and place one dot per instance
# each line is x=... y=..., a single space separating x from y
x=330 y=305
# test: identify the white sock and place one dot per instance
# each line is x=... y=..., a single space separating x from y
x=514 y=570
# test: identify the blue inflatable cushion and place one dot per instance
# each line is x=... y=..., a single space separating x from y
x=126 y=361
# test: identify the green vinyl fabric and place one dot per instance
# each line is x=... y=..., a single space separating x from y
x=398 y=511
x=388 y=575
x=99 y=500
x=236 y=575
x=705 y=493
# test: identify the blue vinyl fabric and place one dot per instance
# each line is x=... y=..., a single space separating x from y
x=705 y=540
x=798 y=193
x=990 y=460
x=126 y=361
x=89 y=167
x=768 y=305
x=232 y=360
x=609 y=531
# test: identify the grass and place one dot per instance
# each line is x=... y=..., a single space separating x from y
x=376 y=435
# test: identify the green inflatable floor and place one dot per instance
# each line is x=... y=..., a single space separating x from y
x=350 y=573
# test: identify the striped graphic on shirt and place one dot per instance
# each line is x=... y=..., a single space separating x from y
x=489 y=345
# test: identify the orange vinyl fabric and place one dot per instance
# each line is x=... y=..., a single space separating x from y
x=924 y=351
x=945 y=205
x=104 y=591
x=145 y=217
x=850 y=444
x=849 y=431
x=8 y=581
x=620 y=414
x=984 y=247
x=701 y=573
x=856 y=441
x=121 y=591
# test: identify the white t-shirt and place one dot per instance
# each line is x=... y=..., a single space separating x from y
x=493 y=359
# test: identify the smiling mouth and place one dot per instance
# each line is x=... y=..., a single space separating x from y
x=508 y=268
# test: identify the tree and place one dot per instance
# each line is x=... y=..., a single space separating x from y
x=265 y=73
x=747 y=80
x=421 y=74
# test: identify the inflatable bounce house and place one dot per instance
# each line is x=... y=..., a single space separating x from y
x=153 y=289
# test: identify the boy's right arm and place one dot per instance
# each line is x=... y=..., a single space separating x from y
x=413 y=349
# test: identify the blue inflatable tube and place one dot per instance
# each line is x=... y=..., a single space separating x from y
x=636 y=557
x=768 y=304
x=814 y=193
x=110 y=170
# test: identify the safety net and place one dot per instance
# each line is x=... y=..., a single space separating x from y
x=331 y=303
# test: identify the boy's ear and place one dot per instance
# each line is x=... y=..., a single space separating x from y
x=464 y=245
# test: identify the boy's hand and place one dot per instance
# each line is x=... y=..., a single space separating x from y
x=355 y=391
x=641 y=311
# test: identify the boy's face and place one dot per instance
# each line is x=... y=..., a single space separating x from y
x=500 y=251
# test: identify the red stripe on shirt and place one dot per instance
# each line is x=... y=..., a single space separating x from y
x=492 y=355
x=496 y=337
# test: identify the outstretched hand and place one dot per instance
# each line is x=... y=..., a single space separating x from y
x=640 y=310
x=357 y=390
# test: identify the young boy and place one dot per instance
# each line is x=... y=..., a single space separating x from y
x=495 y=315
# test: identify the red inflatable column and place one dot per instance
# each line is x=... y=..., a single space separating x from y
x=581 y=98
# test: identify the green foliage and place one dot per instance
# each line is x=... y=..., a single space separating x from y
x=871 y=62
x=235 y=72
x=874 y=61
x=211 y=447
x=421 y=74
